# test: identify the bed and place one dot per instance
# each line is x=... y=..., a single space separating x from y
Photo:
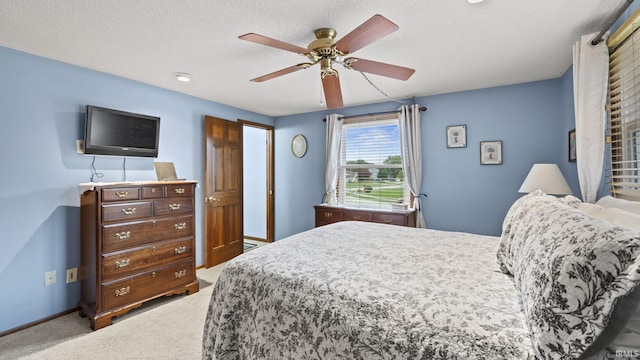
x=356 y=290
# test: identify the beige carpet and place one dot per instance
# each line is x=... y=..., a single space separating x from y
x=165 y=328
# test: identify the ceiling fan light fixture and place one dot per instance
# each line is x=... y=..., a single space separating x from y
x=181 y=76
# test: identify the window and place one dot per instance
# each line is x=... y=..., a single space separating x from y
x=624 y=117
x=370 y=172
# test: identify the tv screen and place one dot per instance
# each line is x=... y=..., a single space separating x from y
x=120 y=133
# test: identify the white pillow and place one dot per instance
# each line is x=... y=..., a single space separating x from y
x=618 y=217
x=627 y=205
x=590 y=209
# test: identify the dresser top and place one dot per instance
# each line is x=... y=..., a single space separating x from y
x=89 y=186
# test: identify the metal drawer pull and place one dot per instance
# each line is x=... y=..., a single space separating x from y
x=122 y=263
x=180 y=191
x=181 y=273
x=387 y=220
x=328 y=214
x=174 y=207
x=181 y=226
x=122 y=194
x=129 y=211
x=123 y=235
x=123 y=291
x=153 y=274
x=357 y=217
x=181 y=249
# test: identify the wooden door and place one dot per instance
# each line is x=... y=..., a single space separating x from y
x=223 y=190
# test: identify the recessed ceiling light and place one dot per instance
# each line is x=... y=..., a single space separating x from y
x=475 y=1
x=183 y=76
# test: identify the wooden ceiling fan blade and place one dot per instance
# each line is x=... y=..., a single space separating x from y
x=378 y=68
x=371 y=30
x=264 y=40
x=284 y=71
x=332 y=91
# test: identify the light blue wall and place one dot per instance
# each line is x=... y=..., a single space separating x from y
x=41 y=115
x=462 y=194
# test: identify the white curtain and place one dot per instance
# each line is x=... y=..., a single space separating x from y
x=332 y=161
x=410 y=143
x=590 y=80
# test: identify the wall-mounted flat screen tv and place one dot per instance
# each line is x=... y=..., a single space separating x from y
x=120 y=133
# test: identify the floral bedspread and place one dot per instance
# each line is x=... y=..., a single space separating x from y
x=356 y=290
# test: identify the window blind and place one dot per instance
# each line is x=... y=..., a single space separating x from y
x=624 y=118
x=370 y=173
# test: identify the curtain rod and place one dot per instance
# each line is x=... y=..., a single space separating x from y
x=596 y=40
x=421 y=108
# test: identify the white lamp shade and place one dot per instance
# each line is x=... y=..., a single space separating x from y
x=548 y=178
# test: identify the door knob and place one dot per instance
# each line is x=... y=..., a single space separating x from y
x=211 y=199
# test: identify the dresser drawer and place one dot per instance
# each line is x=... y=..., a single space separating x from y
x=179 y=190
x=120 y=194
x=152 y=192
x=172 y=206
x=126 y=211
x=133 y=234
x=127 y=263
x=145 y=285
x=356 y=215
x=392 y=219
x=327 y=216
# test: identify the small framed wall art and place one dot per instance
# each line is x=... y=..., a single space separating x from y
x=491 y=152
x=457 y=136
x=572 y=145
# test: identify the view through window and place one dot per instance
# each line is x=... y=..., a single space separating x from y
x=371 y=173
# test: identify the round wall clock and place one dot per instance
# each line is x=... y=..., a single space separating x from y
x=299 y=145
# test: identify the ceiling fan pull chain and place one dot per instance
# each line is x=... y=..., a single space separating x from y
x=377 y=88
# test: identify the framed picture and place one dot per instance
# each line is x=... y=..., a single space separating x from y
x=491 y=152
x=572 y=145
x=457 y=136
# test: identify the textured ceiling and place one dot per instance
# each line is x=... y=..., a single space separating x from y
x=453 y=45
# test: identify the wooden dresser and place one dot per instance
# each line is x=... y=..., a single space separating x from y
x=329 y=214
x=138 y=243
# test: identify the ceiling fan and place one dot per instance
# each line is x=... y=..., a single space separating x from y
x=326 y=51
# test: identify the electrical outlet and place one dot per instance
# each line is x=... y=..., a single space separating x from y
x=72 y=275
x=80 y=146
x=50 y=278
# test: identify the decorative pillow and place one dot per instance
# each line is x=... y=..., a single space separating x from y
x=510 y=219
x=611 y=202
x=590 y=209
x=575 y=276
x=619 y=217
